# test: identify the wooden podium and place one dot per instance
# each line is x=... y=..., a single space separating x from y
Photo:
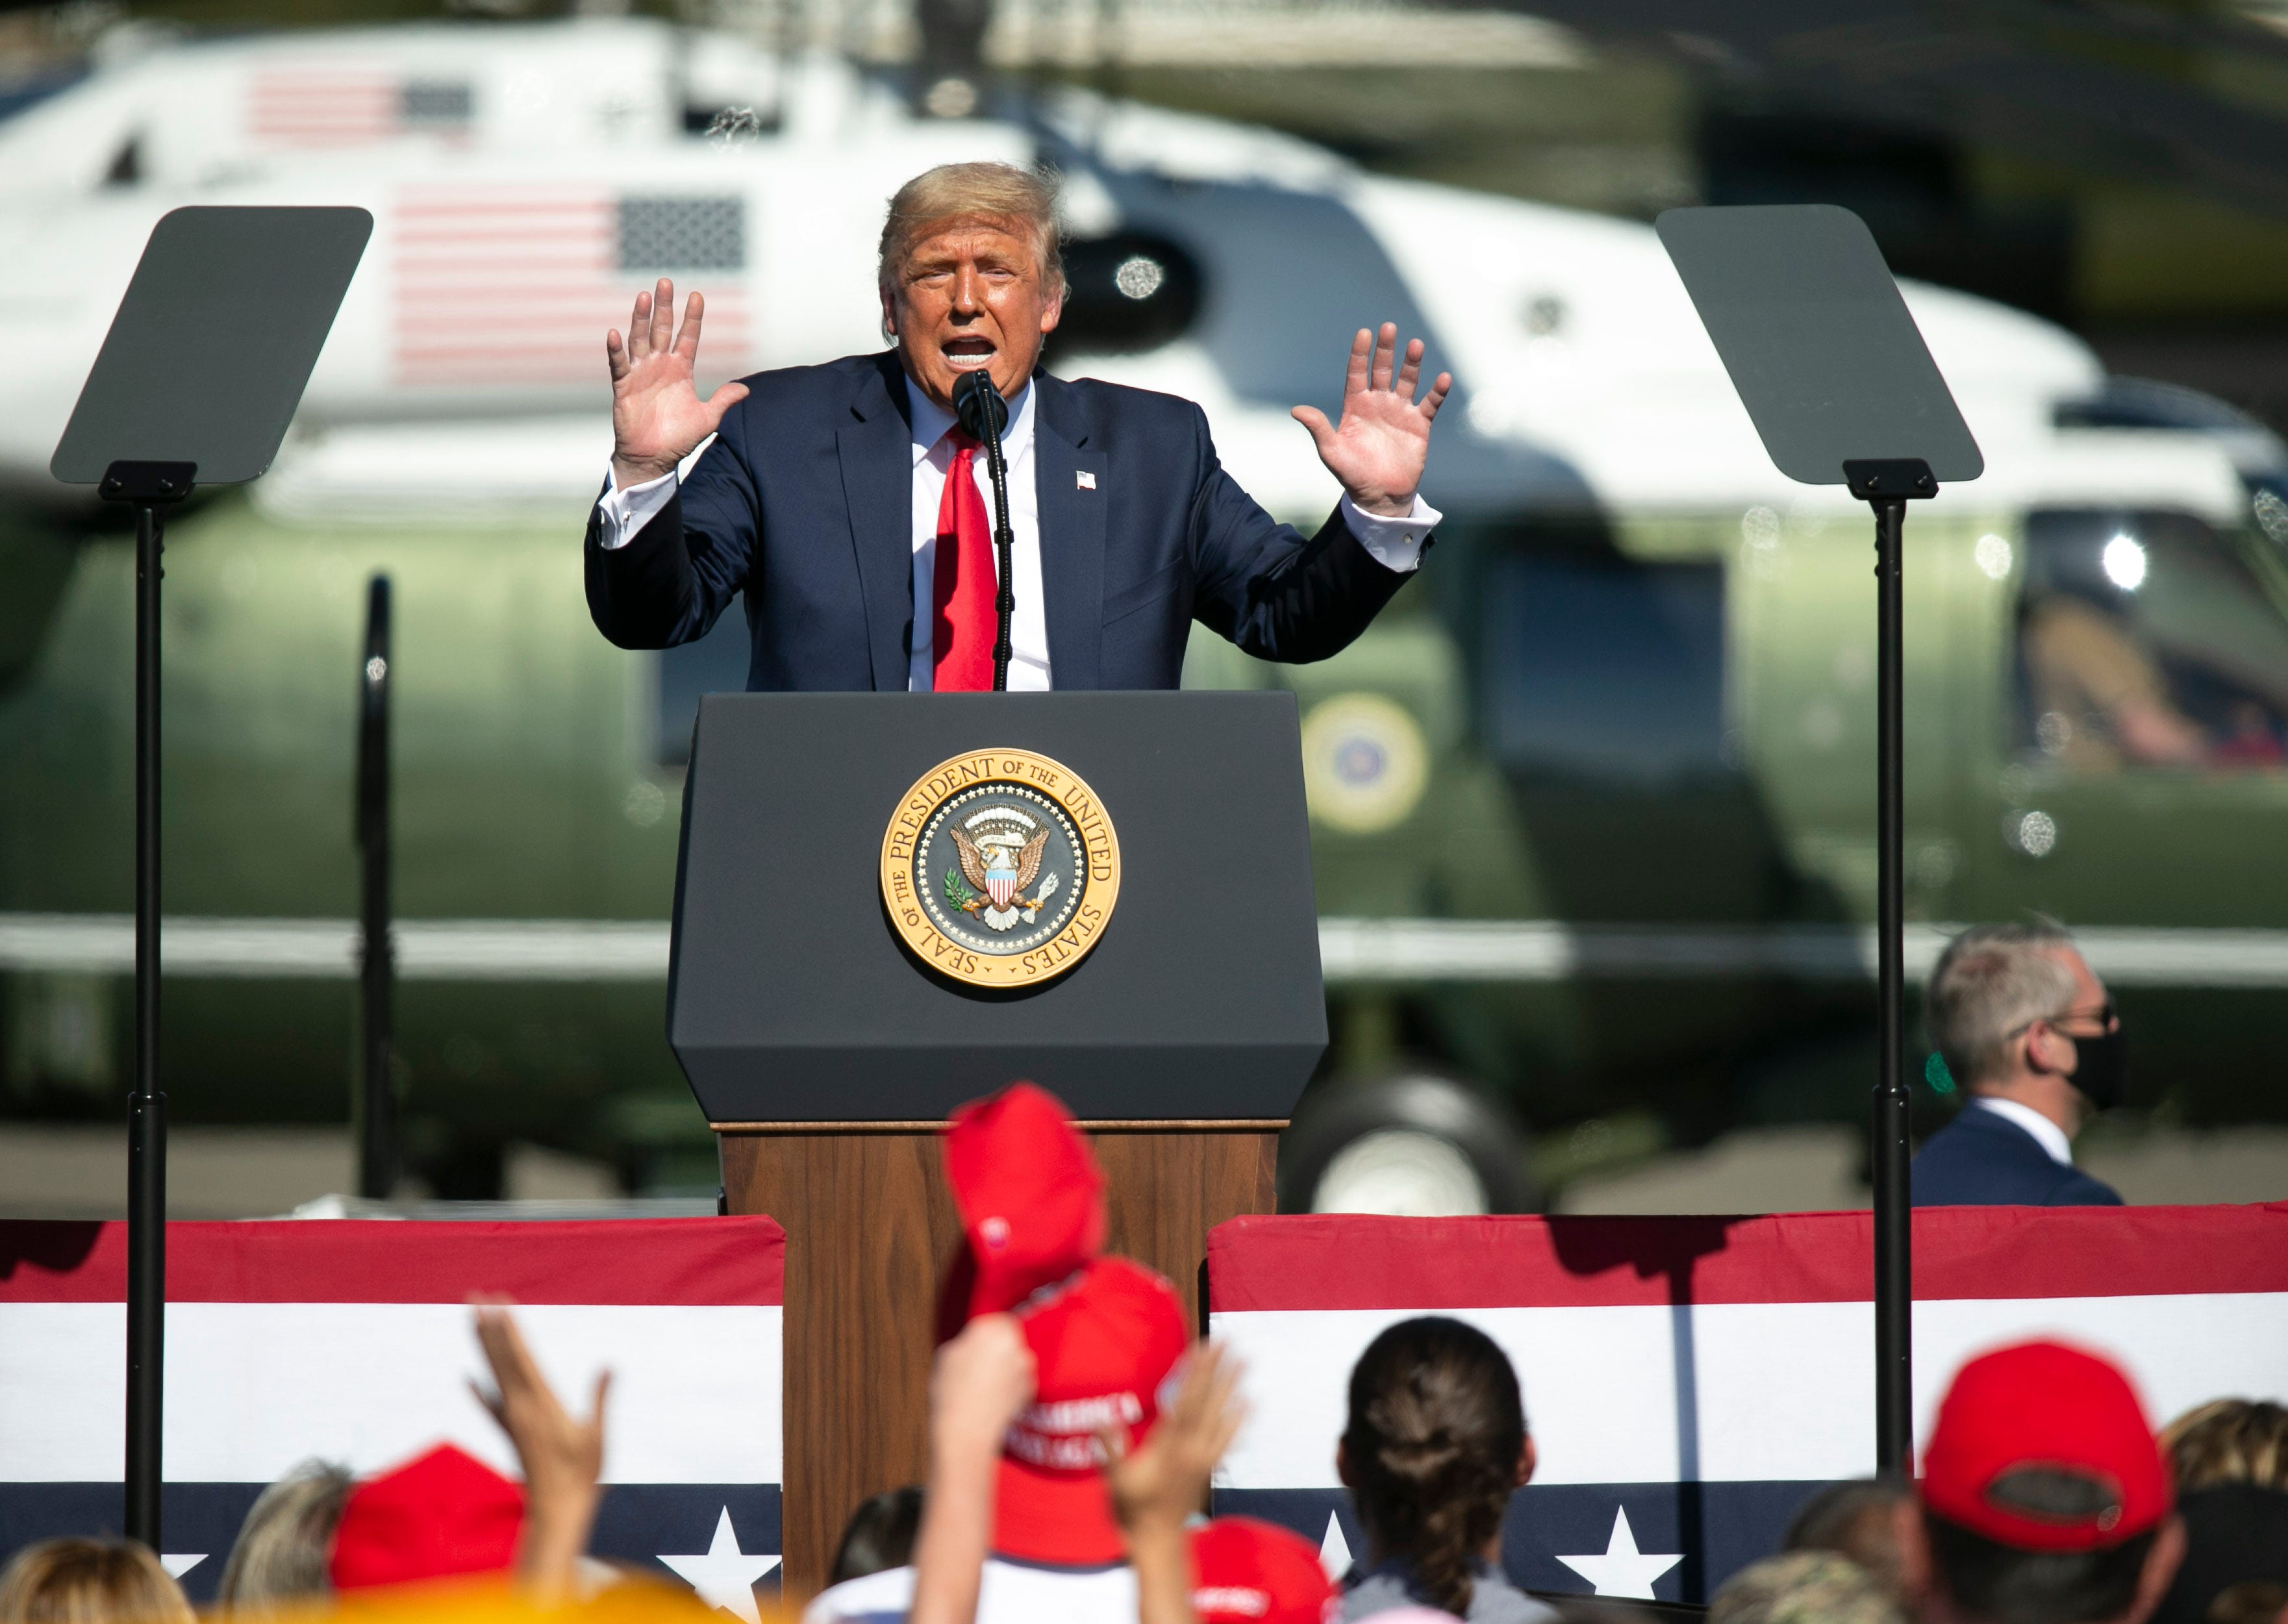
x=861 y=1297
x=826 y=1052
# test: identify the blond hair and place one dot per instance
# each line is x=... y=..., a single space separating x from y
x=1000 y=193
x=1804 y=1587
x=2229 y=1440
x=90 y=1581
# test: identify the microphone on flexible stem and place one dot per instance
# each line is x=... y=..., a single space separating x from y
x=981 y=413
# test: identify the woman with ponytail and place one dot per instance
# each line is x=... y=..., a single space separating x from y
x=1436 y=1443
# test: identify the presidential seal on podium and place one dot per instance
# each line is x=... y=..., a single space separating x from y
x=1000 y=869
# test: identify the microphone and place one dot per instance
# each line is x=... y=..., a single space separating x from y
x=982 y=412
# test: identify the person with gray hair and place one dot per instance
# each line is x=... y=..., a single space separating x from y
x=848 y=504
x=1858 y=1519
x=278 y=1558
x=2027 y=1032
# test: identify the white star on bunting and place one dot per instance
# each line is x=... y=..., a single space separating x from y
x=180 y=1563
x=724 y=1576
x=1334 y=1550
x=1622 y=1569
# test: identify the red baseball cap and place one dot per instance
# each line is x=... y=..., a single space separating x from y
x=1105 y=1346
x=1030 y=1194
x=440 y=1513
x=2042 y=1406
x=1105 y=1333
x=1248 y=1572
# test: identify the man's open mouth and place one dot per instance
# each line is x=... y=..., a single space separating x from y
x=968 y=354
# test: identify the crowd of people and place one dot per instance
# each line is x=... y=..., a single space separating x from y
x=1075 y=1428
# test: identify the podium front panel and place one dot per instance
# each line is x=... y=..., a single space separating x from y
x=791 y=998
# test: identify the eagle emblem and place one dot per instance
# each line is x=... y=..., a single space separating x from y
x=997 y=867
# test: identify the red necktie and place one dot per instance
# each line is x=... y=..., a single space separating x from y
x=963 y=622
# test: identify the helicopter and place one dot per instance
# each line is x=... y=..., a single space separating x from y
x=1592 y=804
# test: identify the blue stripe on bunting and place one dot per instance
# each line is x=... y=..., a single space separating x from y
x=1715 y=1529
x=636 y=1523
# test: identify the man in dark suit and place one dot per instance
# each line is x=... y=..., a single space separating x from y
x=846 y=506
x=2026 y=1031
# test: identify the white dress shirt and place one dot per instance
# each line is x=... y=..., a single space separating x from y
x=1396 y=543
x=932 y=452
x=2047 y=1134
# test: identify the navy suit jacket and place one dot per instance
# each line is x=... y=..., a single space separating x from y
x=805 y=505
x=1982 y=1158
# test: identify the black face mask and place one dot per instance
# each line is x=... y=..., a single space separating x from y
x=2102 y=1067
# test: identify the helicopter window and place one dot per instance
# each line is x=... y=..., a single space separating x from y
x=717 y=664
x=2146 y=641
x=430 y=104
x=126 y=164
x=683 y=233
x=1602 y=666
x=728 y=125
x=1128 y=292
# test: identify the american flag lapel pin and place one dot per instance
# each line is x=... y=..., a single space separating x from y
x=1084 y=480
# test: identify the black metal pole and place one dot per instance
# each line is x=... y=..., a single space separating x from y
x=1894 y=1232
x=376 y=1100
x=146 y=1106
x=982 y=413
x=1005 y=598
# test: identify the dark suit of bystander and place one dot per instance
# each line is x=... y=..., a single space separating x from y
x=1982 y=1158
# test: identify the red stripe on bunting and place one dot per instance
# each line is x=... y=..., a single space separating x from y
x=1337 y=1262
x=637 y=1261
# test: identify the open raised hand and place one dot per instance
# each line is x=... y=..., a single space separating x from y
x=562 y=1456
x=1165 y=1479
x=657 y=417
x=1378 y=449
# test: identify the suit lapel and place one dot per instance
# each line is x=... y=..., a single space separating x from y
x=1072 y=535
x=876 y=448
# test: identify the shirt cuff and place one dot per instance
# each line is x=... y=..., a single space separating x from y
x=1394 y=543
x=628 y=510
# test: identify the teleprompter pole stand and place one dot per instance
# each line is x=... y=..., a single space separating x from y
x=1888 y=485
x=1819 y=342
x=147 y=488
x=178 y=394
x=376 y=1102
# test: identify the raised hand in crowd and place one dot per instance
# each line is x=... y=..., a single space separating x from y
x=983 y=1378
x=1382 y=444
x=1164 y=1481
x=657 y=417
x=562 y=1455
